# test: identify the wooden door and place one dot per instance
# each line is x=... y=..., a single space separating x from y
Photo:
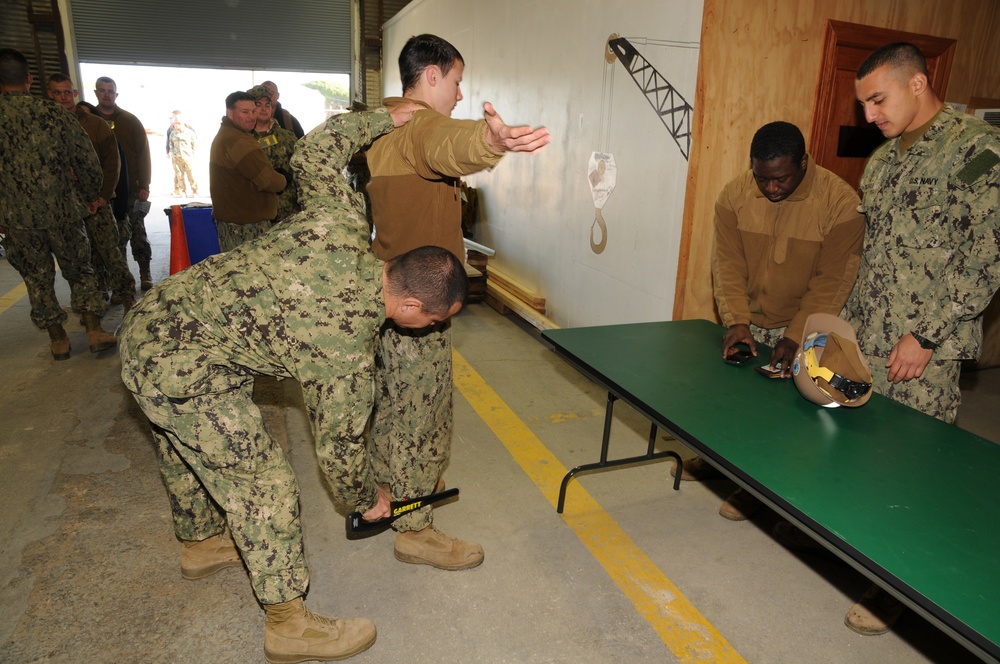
x=841 y=139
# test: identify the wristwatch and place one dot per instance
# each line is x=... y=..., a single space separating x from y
x=924 y=342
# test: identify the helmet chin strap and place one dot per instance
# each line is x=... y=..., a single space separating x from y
x=838 y=382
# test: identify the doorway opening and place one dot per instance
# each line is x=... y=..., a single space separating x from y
x=152 y=94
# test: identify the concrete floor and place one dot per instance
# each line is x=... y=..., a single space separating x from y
x=633 y=572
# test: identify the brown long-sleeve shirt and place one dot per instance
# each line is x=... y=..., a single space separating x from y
x=414 y=188
x=775 y=263
x=132 y=136
x=106 y=147
x=243 y=183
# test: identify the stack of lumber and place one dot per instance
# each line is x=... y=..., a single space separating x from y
x=506 y=295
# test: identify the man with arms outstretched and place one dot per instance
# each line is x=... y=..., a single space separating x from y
x=416 y=201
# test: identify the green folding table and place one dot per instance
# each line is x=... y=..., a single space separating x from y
x=909 y=501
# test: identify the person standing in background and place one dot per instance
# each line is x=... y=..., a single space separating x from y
x=279 y=145
x=243 y=183
x=131 y=135
x=284 y=118
x=110 y=266
x=50 y=173
x=181 y=144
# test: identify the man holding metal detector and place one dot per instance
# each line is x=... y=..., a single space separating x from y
x=787 y=244
x=304 y=301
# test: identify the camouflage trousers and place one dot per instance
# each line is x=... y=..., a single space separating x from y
x=133 y=230
x=935 y=393
x=106 y=256
x=233 y=235
x=770 y=337
x=767 y=336
x=411 y=423
x=220 y=466
x=288 y=203
x=31 y=252
x=182 y=172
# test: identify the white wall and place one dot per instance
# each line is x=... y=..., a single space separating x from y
x=542 y=63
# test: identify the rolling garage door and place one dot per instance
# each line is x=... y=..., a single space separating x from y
x=276 y=35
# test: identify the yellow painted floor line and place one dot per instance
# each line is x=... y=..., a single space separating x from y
x=683 y=629
x=12 y=296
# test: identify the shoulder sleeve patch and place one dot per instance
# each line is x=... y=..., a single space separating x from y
x=980 y=165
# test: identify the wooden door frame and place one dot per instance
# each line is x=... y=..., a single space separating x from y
x=939 y=51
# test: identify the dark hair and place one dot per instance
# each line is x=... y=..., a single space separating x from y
x=778 y=139
x=106 y=79
x=59 y=78
x=423 y=51
x=430 y=274
x=898 y=55
x=13 y=67
x=239 y=95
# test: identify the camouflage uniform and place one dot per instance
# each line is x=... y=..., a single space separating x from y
x=279 y=144
x=233 y=235
x=49 y=171
x=304 y=302
x=110 y=265
x=768 y=336
x=931 y=261
x=182 y=144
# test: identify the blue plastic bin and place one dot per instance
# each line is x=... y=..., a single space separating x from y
x=202 y=235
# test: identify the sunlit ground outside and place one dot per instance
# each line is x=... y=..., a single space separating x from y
x=153 y=93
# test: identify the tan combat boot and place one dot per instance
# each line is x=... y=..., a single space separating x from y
x=128 y=301
x=432 y=547
x=205 y=558
x=875 y=613
x=296 y=634
x=97 y=337
x=145 y=277
x=59 y=342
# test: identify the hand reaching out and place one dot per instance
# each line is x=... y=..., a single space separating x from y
x=504 y=138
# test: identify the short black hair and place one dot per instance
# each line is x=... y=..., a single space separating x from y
x=421 y=52
x=432 y=275
x=13 y=67
x=106 y=79
x=239 y=95
x=59 y=78
x=778 y=139
x=898 y=55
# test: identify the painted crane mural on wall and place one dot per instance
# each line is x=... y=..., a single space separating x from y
x=672 y=109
